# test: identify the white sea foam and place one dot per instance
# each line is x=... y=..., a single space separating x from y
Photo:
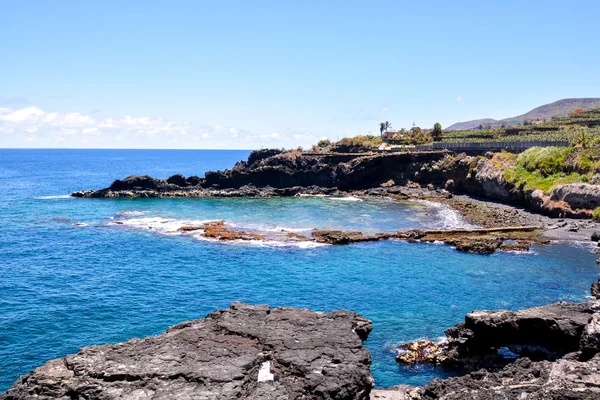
x=344 y=198
x=275 y=243
x=170 y=227
x=131 y=213
x=582 y=244
x=160 y=225
x=270 y=228
x=55 y=197
x=446 y=216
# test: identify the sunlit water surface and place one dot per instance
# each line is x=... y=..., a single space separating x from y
x=71 y=277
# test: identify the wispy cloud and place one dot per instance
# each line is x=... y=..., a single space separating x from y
x=459 y=99
x=34 y=127
x=385 y=109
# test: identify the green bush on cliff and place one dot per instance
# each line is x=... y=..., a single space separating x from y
x=546 y=160
x=596 y=214
x=365 y=141
x=545 y=167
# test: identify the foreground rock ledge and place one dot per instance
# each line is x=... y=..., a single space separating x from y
x=250 y=352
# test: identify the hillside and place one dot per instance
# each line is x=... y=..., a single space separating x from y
x=557 y=109
x=461 y=126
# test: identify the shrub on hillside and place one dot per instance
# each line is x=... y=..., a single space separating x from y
x=596 y=214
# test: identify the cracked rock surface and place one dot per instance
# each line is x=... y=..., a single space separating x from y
x=298 y=353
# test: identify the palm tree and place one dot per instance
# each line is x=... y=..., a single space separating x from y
x=384 y=127
x=436 y=133
x=583 y=138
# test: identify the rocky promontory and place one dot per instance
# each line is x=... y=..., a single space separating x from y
x=273 y=172
x=250 y=352
x=277 y=173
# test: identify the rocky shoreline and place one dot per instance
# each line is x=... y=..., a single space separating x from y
x=273 y=172
x=259 y=352
x=547 y=352
x=250 y=352
x=473 y=185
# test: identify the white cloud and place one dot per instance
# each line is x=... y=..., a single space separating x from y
x=77 y=119
x=385 y=109
x=22 y=115
x=459 y=99
x=32 y=126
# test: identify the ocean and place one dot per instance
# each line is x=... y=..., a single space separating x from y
x=77 y=272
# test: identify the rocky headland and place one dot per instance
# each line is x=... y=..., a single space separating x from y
x=441 y=174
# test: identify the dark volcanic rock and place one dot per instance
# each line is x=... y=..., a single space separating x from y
x=178 y=180
x=250 y=352
x=259 y=155
x=523 y=379
x=144 y=182
x=550 y=331
x=193 y=180
x=567 y=330
x=276 y=173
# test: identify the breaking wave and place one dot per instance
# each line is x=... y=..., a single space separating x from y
x=445 y=217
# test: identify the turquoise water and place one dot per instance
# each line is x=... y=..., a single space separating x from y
x=71 y=277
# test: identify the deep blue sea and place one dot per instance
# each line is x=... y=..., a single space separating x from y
x=72 y=276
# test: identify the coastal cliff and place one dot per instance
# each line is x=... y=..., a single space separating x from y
x=275 y=172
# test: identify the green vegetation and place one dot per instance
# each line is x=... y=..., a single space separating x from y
x=436 y=133
x=545 y=167
x=596 y=214
x=364 y=141
x=367 y=142
x=579 y=128
x=324 y=143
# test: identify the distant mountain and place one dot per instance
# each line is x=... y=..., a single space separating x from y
x=463 y=126
x=557 y=109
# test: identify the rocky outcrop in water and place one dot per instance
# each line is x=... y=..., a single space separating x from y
x=558 y=350
x=543 y=333
x=547 y=332
x=250 y=352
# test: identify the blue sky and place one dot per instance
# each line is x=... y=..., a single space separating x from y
x=251 y=74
